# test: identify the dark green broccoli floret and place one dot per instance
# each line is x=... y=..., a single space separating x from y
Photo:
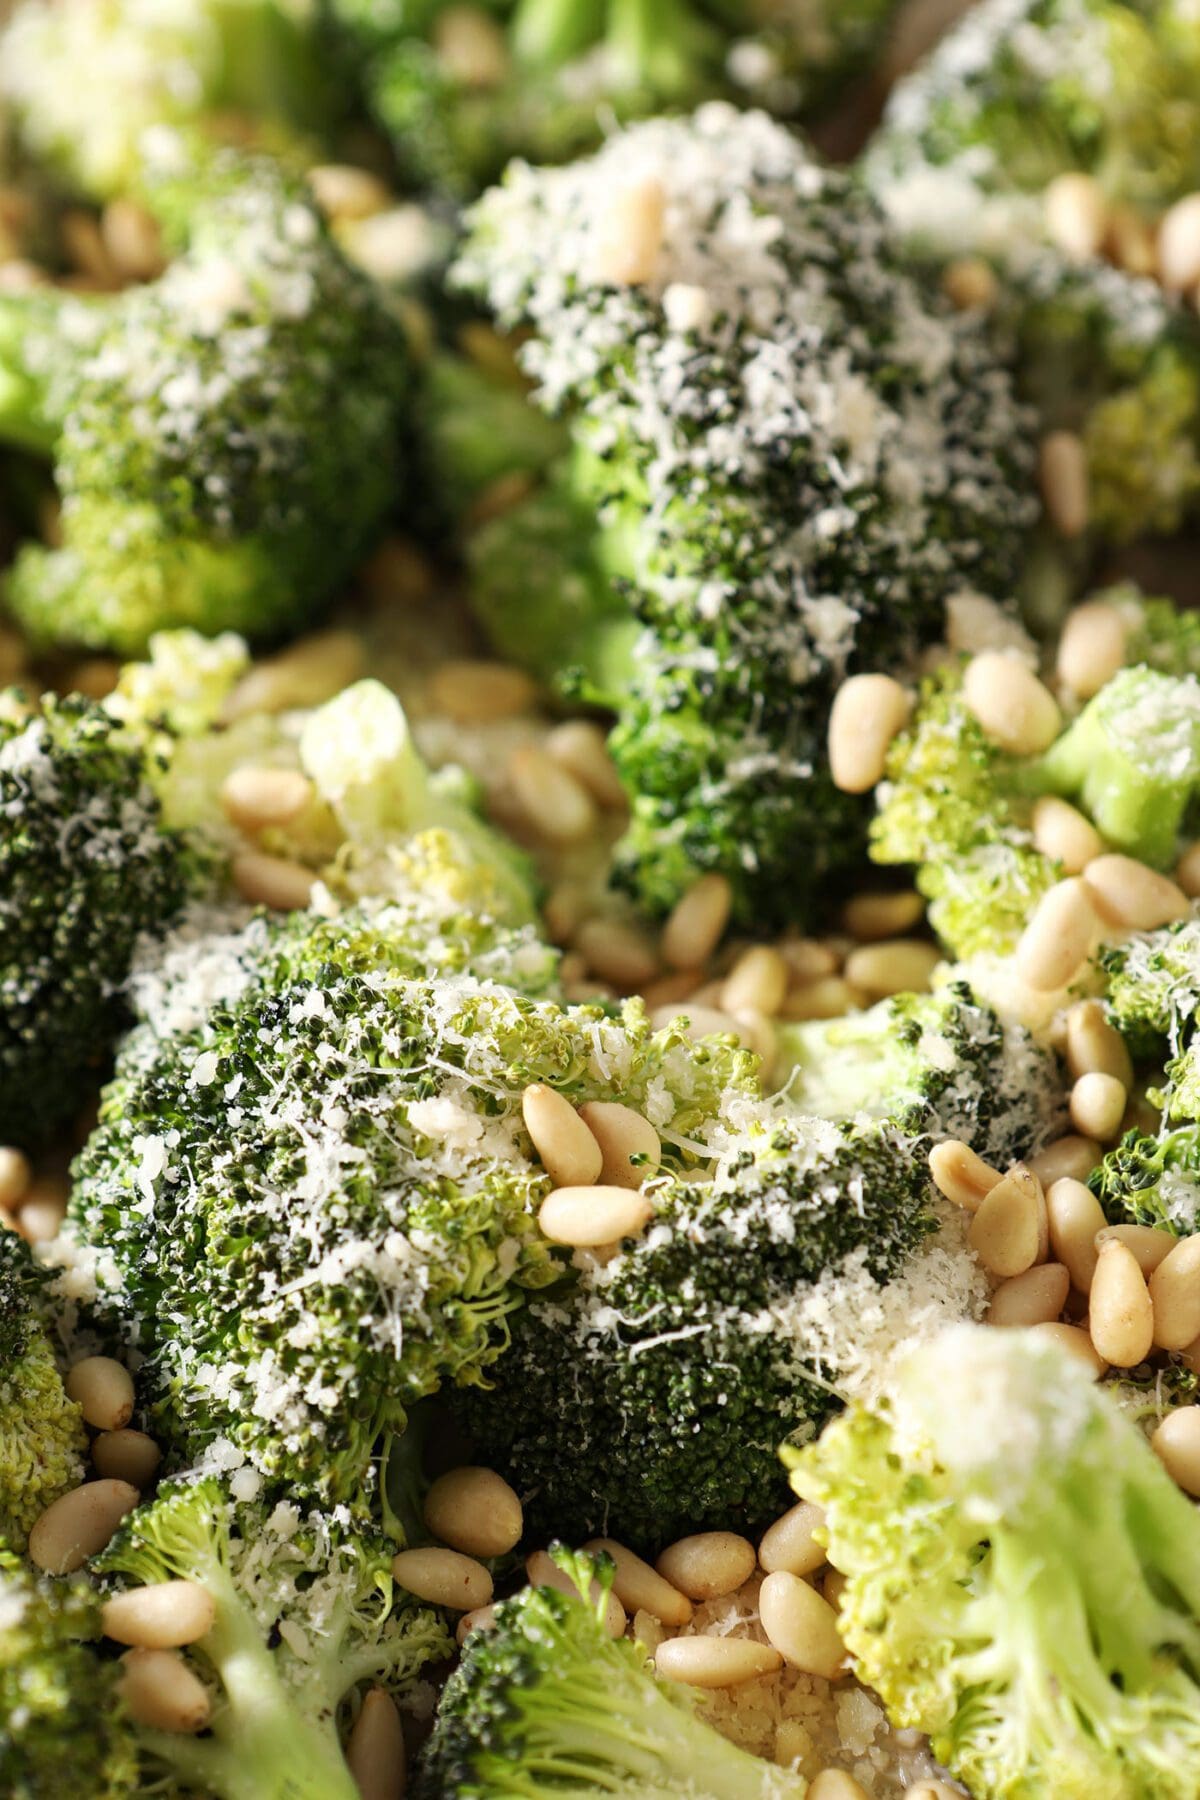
x=42 y=1439
x=1154 y=988
x=85 y=869
x=224 y=439
x=759 y=504
x=1022 y=1574
x=548 y=1703
x=942 y=1064
x=674 y=1371
x=1152 y=1179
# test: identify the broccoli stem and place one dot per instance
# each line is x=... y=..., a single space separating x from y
x=551 y=32
x=652 y=43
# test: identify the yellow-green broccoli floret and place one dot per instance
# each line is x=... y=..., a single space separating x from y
x=42 y=1439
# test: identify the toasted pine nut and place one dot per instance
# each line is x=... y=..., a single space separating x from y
x=867 y=712
x=480 y=693
x=79 y=1525
x=827 y=998
x=1058 y=938
x=697 y=923
x=375 y=1753
x=961 y=1175
x=586 y=1217
x=558 y=808
x=272 y=881
x=1098 y=1106
x=1061 y=832
x=254 y=798
x=1091 y=648
x=443 y=1577
x=801 y=1625
x=835 y=1784
x=1034 y=1298
x=582 y=748
x=707 y=1565
x=567 y=906
x=15 y=1176
x=43 y=1209
x=1076 y=1217
x=1130 y=243
x=474 y=1510
x=1177 y=1442
x=1120 y=1315
x=789 y=1543
x=1063 y=473
x=1071 y=1156
x=1005 y=1232
x=1187 y=871
x=618 y=952
x=159 y=1690
x=343 y=191
x=623 y=1136
x=833 y=1586
x=163 y=1617
x=128 y=1456
x=483 y=1618
x=808 y=958
x=103 y=1391
x=1076 y=215
x=570 y=1154
x=872 y=917
x=543 y=1571
x=1175 y=1294
x=1179 y=244
x=1125 y=892
x=629 y=236
x=132 y=239
x=969 y=283
x=1073 y=1339
x=757 y=982
x=1094 y=1047
x=313 y=670
x=901 y=966
x=1147 y=1244
x=640 y=1588
x=1014 y=708
x=715 y=1662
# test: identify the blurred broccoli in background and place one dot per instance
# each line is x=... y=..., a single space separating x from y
x=42 y=1439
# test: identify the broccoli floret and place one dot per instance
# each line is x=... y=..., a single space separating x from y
x=42 y=1440
x=1154 y=988
x=1022 y=1580
x=1152 y=1180
x=546 y=1702
x=86 y=866
x=941 y=1064
x=306 y=1616
x=675 y=1369
x=224 y=439
x=740 y=451
x=478 y=427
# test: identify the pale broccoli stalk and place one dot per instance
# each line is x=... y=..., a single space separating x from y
x=42 y=1439
x=1023 y=1576
x=548 y=1703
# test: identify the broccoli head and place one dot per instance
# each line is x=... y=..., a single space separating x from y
x=85 y=867
x=1022 y=1574
x=224 y=439
x=775 y=481
x=675 y=1369
x=42 y=1439
x=546 y=1702
x=1152 y=1179
x=1154 y=988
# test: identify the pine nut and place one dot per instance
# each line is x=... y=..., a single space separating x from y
x=835 y=1784
x=343 y=191
x=871 y=917
x=801 y=1625
x=1077 y=1342
x=482 y=1618
x=570 y=1154
x=79 y=1525
x=255 y=798
x=1034 y=1298
x=902 y=966
x=481 y=693
x=960 y=1175
x=931 y=1790
x=1120 y=1315
x=474 y=1510
x=623 y=1136
x=1175 y=1295
x=308 y=673
x=272 y=881
x=640 y=1588
x=1177 y=1442
x=1076 y=215
x=1130 y=243
x=1092 y=648
x=543 y=1571
x=867 y=712
x=1058 y=938
x=715 y=1662
x=789 y=1545
x=1005 y=1232
x=164 y=1617
x=132 y=240
x=443 y=1577
x=375 y=1753
x=1098 y=1106
x=567 y=906
x=586 y=1217
x=833 y=1586
x=1067 y=1157
x=160 y=1691
x=629 y=235
x=1179 y=244
x=1063 y=474
x=1076 y=1217
x=649 y=1632
x=1062 y=834
x=470 y=47
x=697 y=923
x=757 y=982
x=558 y=808
x=670 y=990
x=827 y=998
x=1187 y=871
x=1147 y=1244
x=42 y=1211
x=103 y=1391
x=582 y=748
x=701 y=1022
x=969 y=283
x=1125 y=892
x=1094 y=1047
x=809 y=959
x=707 y=1565
x=128 y=1456
x=15 y=1176
x=1014 y=708
x=618 y=952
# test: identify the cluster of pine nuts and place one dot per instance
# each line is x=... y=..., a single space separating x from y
x=32 y=1204
x=81 y=1522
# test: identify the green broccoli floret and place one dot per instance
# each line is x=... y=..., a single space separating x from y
x=224 y=439
x=63 y=1735
x=1023 y=1577
x=42 y=1439
x=675 y=1369
x=941 y=1064
x=307 y=1616
x=86 y=866
x=1154 y=988
x=478 y=427
x=547 y=1703
x=1152 y=1179
x=760 y=507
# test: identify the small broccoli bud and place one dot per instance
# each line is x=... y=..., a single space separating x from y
x=42 y=1439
